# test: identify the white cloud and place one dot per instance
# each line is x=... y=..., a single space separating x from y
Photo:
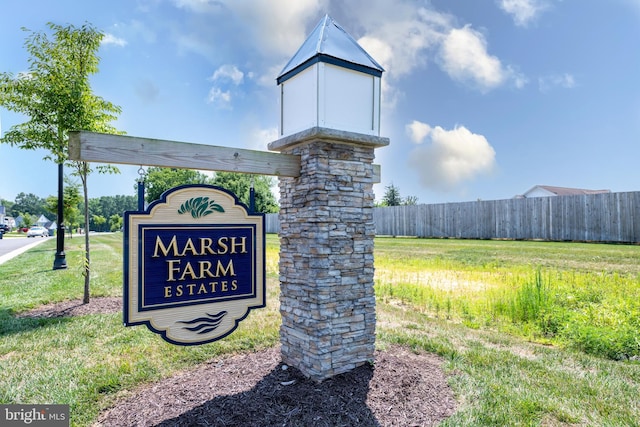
x=399 y=38
x=564 y=81
x=451 y=157
x=418 y=131
x=402 y=36
x=523 y=11
x=225 y=75
x=402 y=39
x=519 y=79
x=219 y=98
x=465 y=58
x=108 y=39
x=228 y=72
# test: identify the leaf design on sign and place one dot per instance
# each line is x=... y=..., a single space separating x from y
x=204 y=325
x=199 y=207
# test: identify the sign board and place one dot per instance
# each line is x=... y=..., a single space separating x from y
x=194 y=264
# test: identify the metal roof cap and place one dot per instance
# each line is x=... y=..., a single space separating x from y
x=329 y=42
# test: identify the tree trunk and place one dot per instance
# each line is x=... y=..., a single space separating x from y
x=87 y=252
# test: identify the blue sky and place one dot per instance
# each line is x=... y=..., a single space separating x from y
x=481 y=99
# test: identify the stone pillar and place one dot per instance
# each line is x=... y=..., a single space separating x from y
x=327 y=300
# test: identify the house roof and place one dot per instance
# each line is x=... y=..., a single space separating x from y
x=43 y=219
x=329 y=42
x=566 y=191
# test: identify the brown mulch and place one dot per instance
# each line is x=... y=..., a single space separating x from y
x=72 y=308
x=401 y=388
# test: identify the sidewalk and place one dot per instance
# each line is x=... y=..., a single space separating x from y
x=15 y=253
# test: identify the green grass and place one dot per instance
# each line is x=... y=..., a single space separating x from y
x=529 y=331
x=584 y=296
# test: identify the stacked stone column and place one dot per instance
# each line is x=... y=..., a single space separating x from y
x=327 y=300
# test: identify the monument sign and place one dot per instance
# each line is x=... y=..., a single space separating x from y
x=194 y=265
x=180 y=267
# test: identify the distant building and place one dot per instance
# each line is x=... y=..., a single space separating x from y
x=10 y=221
x=550 y=191
x=43 y=221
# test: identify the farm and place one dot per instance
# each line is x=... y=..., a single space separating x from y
x=530 y=333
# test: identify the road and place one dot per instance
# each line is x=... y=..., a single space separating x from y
x=14 y=246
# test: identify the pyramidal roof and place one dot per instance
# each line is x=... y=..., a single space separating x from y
x=329 y=42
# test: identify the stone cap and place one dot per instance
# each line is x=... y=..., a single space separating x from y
x=330 y=135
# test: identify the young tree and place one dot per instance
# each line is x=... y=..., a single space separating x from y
x=391 y=196
x=56 y=96
x=27 y=220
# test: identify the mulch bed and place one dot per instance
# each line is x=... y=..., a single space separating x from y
x=401 y=388
x=76 y=308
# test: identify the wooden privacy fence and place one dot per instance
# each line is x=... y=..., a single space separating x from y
x=610 y=217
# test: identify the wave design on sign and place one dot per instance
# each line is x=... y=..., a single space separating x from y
x=204 y=325
x=199 y=207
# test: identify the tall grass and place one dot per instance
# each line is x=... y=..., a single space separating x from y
x=596 y=311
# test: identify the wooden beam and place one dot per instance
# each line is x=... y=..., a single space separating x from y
x=129 y=150
x=377 y=173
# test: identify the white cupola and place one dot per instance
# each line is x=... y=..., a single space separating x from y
x=331 y=82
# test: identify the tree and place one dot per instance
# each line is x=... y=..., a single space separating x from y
x=106 y=206
x=70 y=203
x=28 y=203
x=391 y=196
x=27 y=220
x=56 y=96
x=240 y=183
x=98 y=222
x=158 y=180
x=410 y=201
x=115 y=222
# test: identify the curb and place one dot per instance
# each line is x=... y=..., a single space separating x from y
x=13 y=254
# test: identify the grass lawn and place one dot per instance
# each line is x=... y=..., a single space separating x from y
x=532 y=333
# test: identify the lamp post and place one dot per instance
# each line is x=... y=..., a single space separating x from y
x=60 y=261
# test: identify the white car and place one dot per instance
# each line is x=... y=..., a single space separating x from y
x=37 y=231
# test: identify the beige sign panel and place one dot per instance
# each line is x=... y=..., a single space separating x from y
x=194 y=265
